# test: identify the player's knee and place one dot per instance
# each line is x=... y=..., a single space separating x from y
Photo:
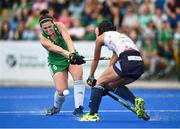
x=77 y=77
x=98 y=87
x=111 y=84
x=101 y=82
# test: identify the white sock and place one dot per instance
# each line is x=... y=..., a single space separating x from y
x=79 y=90
x=58 y=100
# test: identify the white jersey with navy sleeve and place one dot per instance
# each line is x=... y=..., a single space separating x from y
x=118 y=42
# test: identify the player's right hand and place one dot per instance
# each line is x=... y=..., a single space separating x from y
x=91 y=81
x=76 y=59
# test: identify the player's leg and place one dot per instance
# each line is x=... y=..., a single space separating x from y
x=97 y=92
x=118 y=87
x=125 y=93
x=61 y=83
x=94 y=103
x=129 y=71
x=79 y=88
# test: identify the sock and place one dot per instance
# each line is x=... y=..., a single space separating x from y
x=79 y=90
x=58 y=100
x=95 y=99
x=125 y=93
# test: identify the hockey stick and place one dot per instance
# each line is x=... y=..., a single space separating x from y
x=101 y=58
x=145 y=115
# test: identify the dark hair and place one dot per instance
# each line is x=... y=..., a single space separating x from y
x=105 y=26
x=45 y=17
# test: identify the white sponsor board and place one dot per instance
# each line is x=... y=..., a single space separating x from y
x=25 y=62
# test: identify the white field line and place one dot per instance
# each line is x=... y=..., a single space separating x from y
x=69 y=111
x=26 y=97
x=50 y=96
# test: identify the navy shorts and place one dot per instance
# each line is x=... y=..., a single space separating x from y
x=129 y=65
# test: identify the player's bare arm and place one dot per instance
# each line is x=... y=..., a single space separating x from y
x=66 y=36
x=52 y=47
x=97 y=53
x=113 y=59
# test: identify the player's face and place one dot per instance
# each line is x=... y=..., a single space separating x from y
x=97 y=32
x=47 y=27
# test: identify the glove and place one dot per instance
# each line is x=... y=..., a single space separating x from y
x=75 y=58
x=91 y=81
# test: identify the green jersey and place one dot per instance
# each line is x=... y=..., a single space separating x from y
x=54 y=58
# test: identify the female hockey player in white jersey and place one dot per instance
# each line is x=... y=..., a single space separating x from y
x=125 y=67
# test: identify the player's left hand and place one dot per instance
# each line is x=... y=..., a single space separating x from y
x=91 y=81
x=75 y=58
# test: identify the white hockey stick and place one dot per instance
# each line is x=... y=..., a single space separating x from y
x=101 y=58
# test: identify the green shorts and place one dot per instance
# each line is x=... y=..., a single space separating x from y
x=56 y=68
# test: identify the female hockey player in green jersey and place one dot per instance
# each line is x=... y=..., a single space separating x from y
x=62 y=58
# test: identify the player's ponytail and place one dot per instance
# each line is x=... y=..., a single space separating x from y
x=44 y=17
x=105 y=26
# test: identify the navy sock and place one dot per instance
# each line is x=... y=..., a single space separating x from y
x=95 y=99
x=125 y=93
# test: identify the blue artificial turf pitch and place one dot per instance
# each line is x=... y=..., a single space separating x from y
x=26 y=107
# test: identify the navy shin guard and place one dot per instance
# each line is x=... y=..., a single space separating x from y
x=95 y=99
x=125 y=93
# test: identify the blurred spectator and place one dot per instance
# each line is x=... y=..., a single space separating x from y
x=165 y=48
x=58 y=6
x=24 y=14
x=145 y=16
x=150 y=31
x=33 y=20
x=168 y=62
x=5 y=30
x=5 y=9
x=114 y=7
x=159 y=4
x=14 y=22
x=31 y=24
x=18 y=35
x=172 y=9
x=37 y=32
x=76 y=8
x=149 y=4
x=77 y=32
x=158 y=18
x=97 y=15
x=176 y=48
x=86 y=15
x=24 y=4
x=40 y=5
x=166 y=33
x=135 y=36
x=150 y=57
x=90 y=35
x=65 y=18
x=177 y=34
x=29 y=34
x=130 y=19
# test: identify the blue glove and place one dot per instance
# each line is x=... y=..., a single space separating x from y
x=91 y=81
